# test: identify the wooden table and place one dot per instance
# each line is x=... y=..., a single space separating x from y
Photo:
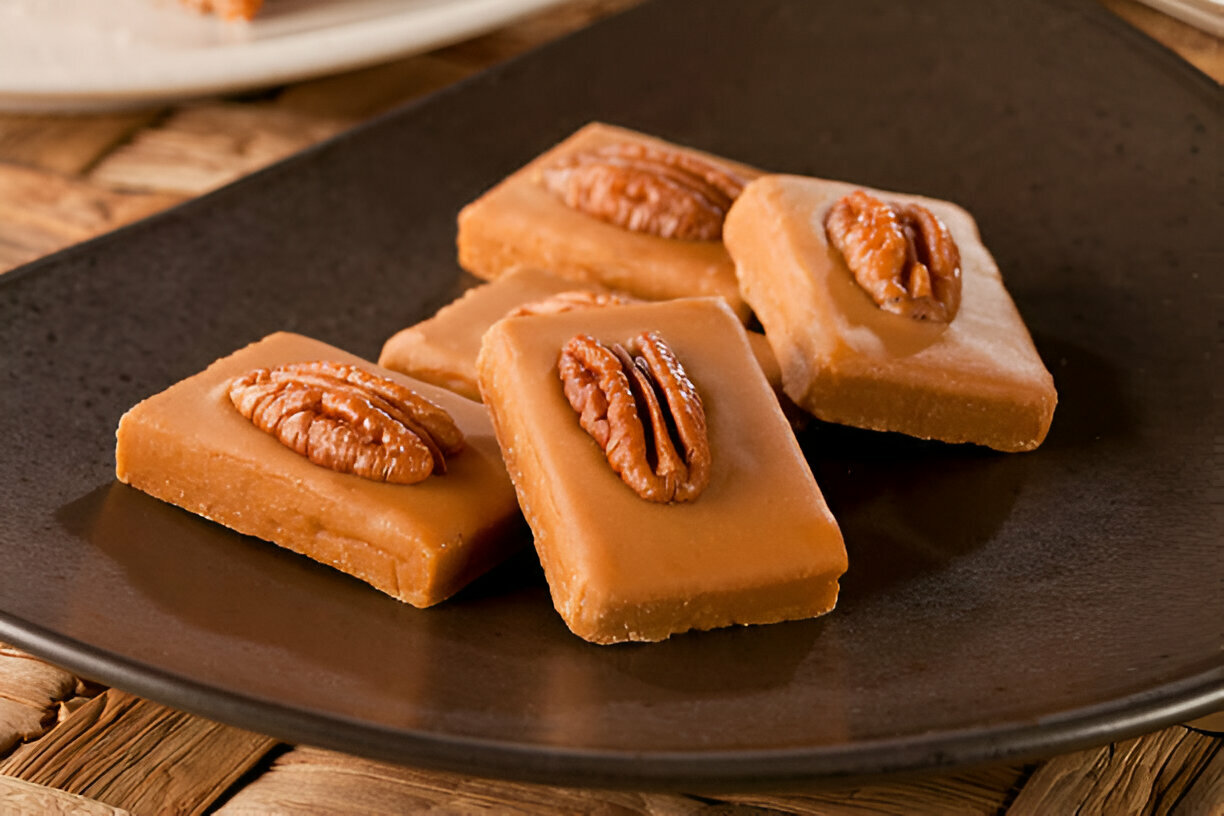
x=67 y=745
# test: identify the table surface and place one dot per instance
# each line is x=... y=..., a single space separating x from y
x=67 y=745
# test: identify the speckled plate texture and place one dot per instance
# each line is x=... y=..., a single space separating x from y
x=997 y=606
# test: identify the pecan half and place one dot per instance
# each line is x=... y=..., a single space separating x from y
x=900 y=254
x=568 y=302
x=345 y=418
x=644 y=412
x=668 y=193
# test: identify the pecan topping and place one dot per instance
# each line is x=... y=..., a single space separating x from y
x=668 y=193
x=345 y=418
x=643 y=411
x=568 y=302
x=901 y=254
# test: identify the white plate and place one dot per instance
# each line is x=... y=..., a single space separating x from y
x=65 y=55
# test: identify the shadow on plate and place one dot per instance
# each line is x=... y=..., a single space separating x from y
x=909 y=506
x=204 y=577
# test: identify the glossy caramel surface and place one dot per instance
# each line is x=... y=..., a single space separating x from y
x=189 y=446
x=520 y=222
x=759 y=544
x=442 y=349
x=975 y=379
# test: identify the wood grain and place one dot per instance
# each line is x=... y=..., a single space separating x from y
x=1207 y=794
x=314 y=781
x=531 y=32
x=67 y=144
x=21 y=798
x=969 y=793
x=1155 y=774
x=42 y=211
x=135 y=754
x=30 y=694
x=359 y=95
x=200 y=148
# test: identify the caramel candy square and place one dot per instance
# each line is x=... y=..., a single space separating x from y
x=977 y=378
x=442 y=350
x=523 y=223
x=757 y=546
x=420 y=543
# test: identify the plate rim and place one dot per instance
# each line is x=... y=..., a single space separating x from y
x=734 y=770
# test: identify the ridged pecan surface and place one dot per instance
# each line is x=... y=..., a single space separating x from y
x=900 y=254
x=348 y=419
x=658 y=191
x=643 y=411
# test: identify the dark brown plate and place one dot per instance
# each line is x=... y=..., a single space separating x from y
x=997 y=605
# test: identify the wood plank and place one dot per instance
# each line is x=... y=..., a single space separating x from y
x=140 y=756
x=314 y=781
x=21 y=798
x=968 y=793
x=532 y=31
x=41 y=212
x=1206 y=795
x=20 y=722
x=68 y=145
x=1150 y=775
x=200 y=148
x=30 y=690
x=359 y=95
